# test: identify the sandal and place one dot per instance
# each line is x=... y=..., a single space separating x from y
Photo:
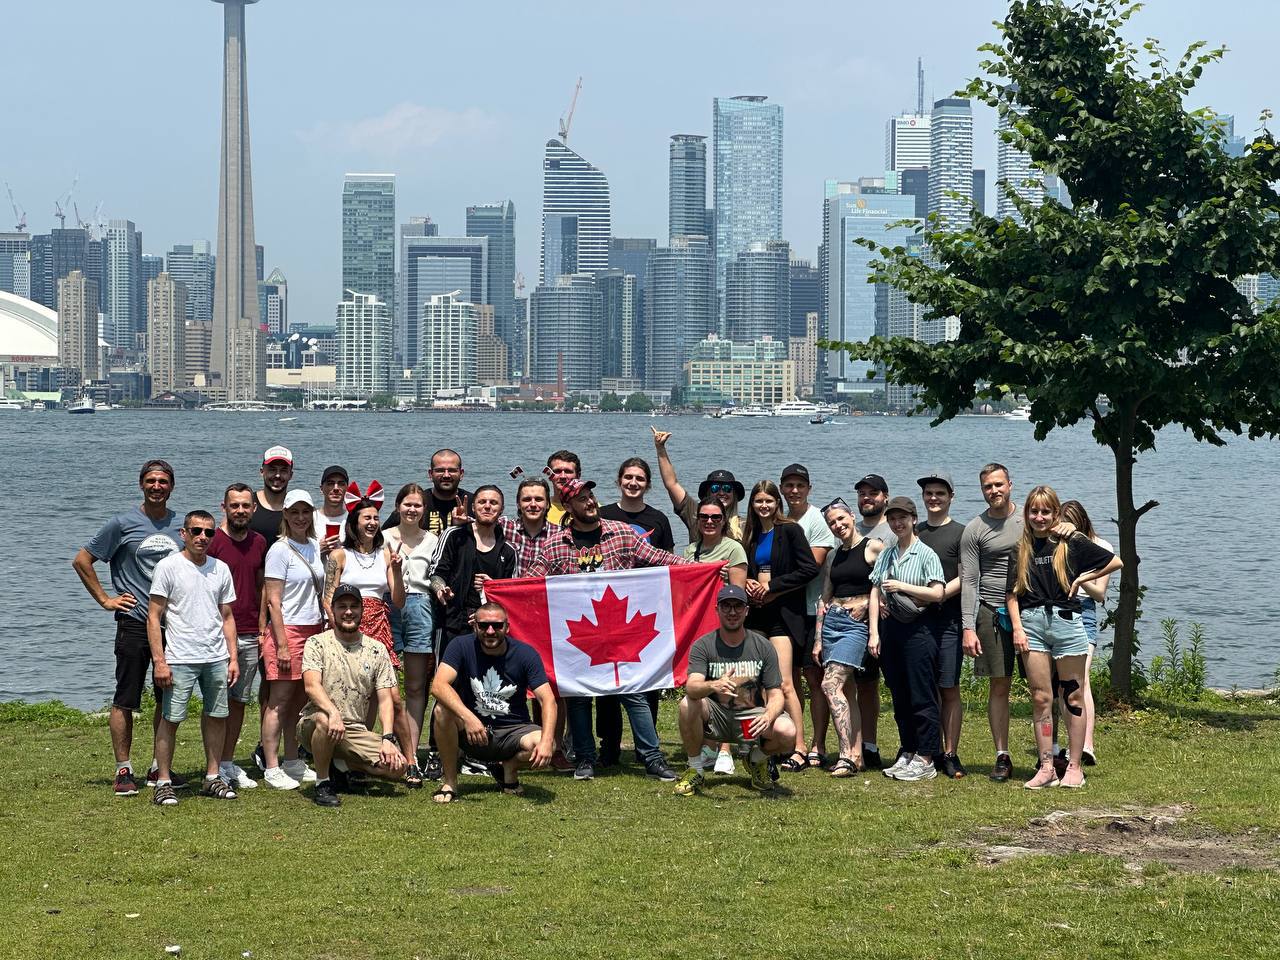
x=513 y=788
x=413 y=777
x=844 y=768
x=816 y=758
x=794 y=765
x=444 y=795
x=218 y=789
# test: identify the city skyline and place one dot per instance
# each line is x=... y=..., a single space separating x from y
x=836 y=106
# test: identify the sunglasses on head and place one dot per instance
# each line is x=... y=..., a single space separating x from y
x=489 y=626
x=201 y=531
x=721 y=488
x=837 y=504
x=710 y=517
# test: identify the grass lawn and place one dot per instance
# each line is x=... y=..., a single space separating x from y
x=1177 y=859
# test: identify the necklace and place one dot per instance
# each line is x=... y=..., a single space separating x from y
x=373 y=558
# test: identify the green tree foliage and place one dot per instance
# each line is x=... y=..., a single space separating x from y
x=1120 y=311
x=638 y=403
x=610 y=402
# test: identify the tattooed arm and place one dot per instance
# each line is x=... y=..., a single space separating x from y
x=332 y=577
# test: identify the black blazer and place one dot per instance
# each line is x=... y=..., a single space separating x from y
x=791 y=567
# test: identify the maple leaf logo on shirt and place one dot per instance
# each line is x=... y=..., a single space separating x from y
x=612 y=638
x=492 y=695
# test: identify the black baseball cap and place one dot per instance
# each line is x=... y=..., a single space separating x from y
x=346 y=590
x=335 y=469
x=937 y=476
x=874 y=481
x=795 y=470
x=721 y=476
x=731 y=591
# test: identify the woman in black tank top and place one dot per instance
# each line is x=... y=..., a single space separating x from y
x=842 y=630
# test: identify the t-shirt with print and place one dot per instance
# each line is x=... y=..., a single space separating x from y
x=648 y=523
x=727 y=550
x=753 y=664
x=439 y=513
x=589 y=555
x=244 y=558
x=945 y=542
x=193 y=618
x=818 y=534
x=493 y=687
x=352 y=673
x=132 y=543
x=297 y=566
x=1043 y=588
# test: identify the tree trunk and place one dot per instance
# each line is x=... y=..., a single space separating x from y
x=1124 y=623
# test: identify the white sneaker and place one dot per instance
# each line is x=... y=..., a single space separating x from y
x=898 y=766
x=917 y=769
x=299 y=771
x=276 y=777
x=724 y=763
x=234 y=774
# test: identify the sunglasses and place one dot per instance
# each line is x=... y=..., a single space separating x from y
x=837 y=504
x=721 y=488
x=201 y=531
x=489 y=626
x=710 y=517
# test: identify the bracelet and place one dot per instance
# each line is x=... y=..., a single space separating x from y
x=392 y=738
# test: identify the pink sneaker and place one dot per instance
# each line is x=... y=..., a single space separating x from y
x=1045 y=777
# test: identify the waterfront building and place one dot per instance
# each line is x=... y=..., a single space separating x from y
x=758 y=293
x=748 y=179
x=447 y=352
x=433 y=265
x=198 y=346
x=622 y=349
x=951 y=174
x=152 y=266
x=567 y=320
x=721 y=372
x=166 y=334
x=679 y=308
x=496 y=222
x=364 y=345
x=369 y=235
x=492 y=351
x=192 y=265
x=907 y=319
x=687 y=186
x=78 y=325
x=522 y=353
x=573 y=190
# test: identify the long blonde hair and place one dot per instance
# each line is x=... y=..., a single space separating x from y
x=1042 y=496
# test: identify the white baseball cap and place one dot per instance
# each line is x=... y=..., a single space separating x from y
x=296 y=496
x=278 y=453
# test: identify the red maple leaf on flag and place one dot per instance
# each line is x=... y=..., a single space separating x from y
x=612 y=638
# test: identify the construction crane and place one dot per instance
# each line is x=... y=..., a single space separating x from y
x=567 y=120
x=20 y=215
x=60 y=205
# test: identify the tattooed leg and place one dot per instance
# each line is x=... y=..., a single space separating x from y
x=844 y=717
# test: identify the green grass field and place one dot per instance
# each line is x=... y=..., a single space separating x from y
x=1175 y=856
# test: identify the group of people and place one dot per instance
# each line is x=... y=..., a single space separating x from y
x=327 y=608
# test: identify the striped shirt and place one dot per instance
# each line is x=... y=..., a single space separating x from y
x=918 y=567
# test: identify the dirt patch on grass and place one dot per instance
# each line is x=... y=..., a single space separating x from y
x=1138 y=835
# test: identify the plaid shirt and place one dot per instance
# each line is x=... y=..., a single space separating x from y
x=619 y=549
x=527 y=548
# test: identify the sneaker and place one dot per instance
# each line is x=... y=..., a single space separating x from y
x=234 y=774
x=915 y=770
x=1073 y=779
x=1088 y=758
x=774 y=767
x=560 y=763
x=299 y=771
x=724 y=763
x=659 y=770
x=585 y=770
x=1003 y=768
x=164 y=795
x=871 y=759
x=259 y=757
x=472 y=768
x=125 y=785
x=898 y=766
x=218 y=789
x=947 y=766
x=432 y=769
x=325 y=796
x=1046 y=776
x=277 y=778
x=690 y=782
x=761 y=778
x=176 y=781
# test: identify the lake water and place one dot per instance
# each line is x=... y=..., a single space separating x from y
x=68 y=474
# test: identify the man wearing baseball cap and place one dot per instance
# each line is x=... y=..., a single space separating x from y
x=733 y=695
x=277 y=471
x=333 y=511
x=873 y=498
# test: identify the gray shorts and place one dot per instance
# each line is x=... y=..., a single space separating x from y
x=247 y=657
x=997 y=657
x=722 y=724
x=504 y=742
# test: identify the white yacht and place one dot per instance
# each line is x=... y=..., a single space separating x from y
x=751 y=411
x=1019 y=413
x=803 y=408
x=7 y=404
x=83 y=405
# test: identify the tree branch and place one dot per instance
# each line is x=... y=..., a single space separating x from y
x=1145 y=508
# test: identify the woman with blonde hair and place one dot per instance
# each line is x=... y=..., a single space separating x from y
x=1045 y=580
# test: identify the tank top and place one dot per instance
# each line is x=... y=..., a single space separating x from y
x=850 y=572
x=368 y=574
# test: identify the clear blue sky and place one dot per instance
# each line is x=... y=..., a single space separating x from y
x=458 y=100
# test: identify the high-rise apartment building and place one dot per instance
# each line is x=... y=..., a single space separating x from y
x=447 y=350
x=369 y=235
x=78 y=325
x=126 y=300
x=687 y=186
x=748 y=178
x=15 y=263
x=951 y=162
x=567 y=317
x=496 y=222
x=631 y=255
x=759 y=373
x=44 y=289
x=622 y=350
x=166 y=334
x=679 y=308
x=199 y=342
x=273 y=303
x=803 y=353
x=492 y=352
x=1014 y=171
x=758 y=293
x=364 y=345
x=192 y=265
x=416 y=227
x=152 y=266
x=907 y=142
x=434 y=265
x=806 y=295
x=573 y=188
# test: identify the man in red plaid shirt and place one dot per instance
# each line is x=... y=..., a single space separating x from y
x=585 y=545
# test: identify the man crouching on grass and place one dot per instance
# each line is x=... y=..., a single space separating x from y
x=480 y=695
x=343 y=671
x=733 y=695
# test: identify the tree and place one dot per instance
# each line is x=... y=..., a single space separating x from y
x=638 y=403
x=610 y=403
x=1121 y=311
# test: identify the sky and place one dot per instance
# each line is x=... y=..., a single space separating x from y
x=458 y=101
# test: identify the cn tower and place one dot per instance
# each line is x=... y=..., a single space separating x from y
x=237 y=358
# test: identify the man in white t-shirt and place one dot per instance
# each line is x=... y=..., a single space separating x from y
x=796 y=488
x=191 y=598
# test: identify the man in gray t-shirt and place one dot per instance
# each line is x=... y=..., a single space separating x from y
x=132 y=543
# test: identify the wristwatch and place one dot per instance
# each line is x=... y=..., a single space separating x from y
x=392 y=737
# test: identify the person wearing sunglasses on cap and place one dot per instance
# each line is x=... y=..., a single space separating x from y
x=192 y=595
x=720 y=484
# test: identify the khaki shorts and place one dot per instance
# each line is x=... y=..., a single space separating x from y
x=722 y=724
x=360 y=748
x=997 y=657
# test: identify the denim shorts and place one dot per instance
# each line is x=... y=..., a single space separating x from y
x=412 y=627
x=212 y=678
x=1089 y=614
x=247 y=655
x=1059 y=633
x=844 y=639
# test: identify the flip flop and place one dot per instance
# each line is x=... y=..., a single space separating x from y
x=445 y=795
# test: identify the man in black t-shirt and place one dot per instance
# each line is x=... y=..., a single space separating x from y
x=445 y=496
x=277 y=471
x=480 y=696
x=942 y=535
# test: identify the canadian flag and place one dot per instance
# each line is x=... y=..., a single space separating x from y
x=622 y=631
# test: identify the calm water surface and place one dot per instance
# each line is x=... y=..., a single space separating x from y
x=67 y=474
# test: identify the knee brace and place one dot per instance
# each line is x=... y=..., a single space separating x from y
x=1070 y=689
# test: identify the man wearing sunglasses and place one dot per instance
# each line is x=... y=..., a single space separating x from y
x=480 y=696
x=720 y=484
x=192 y=595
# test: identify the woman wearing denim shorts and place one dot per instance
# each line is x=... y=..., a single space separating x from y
x=1092 y=595
x=1048 y=626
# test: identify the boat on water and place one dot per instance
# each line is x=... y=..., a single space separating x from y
x=820 y=420
x=7 y=404
x=751 y=411
x=83 y=405
x=1022 y=412
x=802 y=408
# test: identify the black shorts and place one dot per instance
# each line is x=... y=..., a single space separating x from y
x=133 y=657
x=504 y=742
x=804 y=648
x=869 y=672
x=767 y=620
x=946 y=631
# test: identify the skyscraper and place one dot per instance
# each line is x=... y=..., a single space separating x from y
x=191 y=264
x=274 y=303
x=78 y=324
x=1014 y=169
x=364 y=345
x=980 y=189
x=125 y=300
x=679 y=308
x=15 y=263
x=806 y=296
x=748 y=178
x=447 y=351
x=567 y=317
x=237 y=357
x=622 y=350
x=907 y=142
x=152 y=267
x=687 y=190
x=951 y=162
x=166 y=334
x=572 y=187
x=559 y=244
x=416 y=227
x=369 y=235
x=758 y=293
x=496 y=222
x=434 y=265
